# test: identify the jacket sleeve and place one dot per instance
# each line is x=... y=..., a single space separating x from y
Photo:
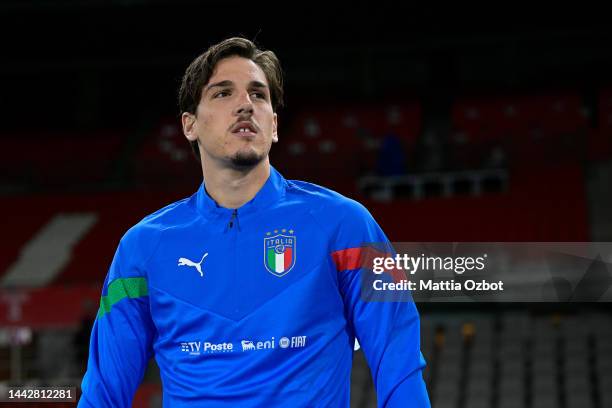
x=122 y=335
x=388 y=331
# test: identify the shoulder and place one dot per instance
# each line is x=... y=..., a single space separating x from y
x=147 y=232
x=326 y=203
x=345 y=221
x=140 y=242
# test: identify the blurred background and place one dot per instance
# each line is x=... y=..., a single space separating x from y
x=449 y=124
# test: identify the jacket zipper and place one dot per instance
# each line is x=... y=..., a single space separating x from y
x=233 y=222
x=233 y=219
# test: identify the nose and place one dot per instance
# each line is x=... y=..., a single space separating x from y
x=245 y=106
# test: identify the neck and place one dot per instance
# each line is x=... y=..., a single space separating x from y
x=232 y=188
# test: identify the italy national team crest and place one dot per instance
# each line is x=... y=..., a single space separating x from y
x=279 y=252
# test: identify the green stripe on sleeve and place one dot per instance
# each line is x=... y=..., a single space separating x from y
x=120 y=289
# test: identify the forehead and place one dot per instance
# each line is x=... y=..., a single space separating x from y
x=237 y=69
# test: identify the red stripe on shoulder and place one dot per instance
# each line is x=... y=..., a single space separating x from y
x=355 y=258
x=346 y=259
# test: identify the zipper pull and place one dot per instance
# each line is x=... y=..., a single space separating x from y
x=234 y=215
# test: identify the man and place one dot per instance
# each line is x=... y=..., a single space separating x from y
x=248 y=292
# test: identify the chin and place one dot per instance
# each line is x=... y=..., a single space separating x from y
x=244 y=160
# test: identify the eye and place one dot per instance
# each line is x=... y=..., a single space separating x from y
x=259 y=95
x=221 y=94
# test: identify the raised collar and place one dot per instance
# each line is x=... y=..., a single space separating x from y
x=272 y=191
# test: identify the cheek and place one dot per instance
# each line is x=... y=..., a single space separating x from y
x=211 y=127
x=205 y=121
x=269 y=122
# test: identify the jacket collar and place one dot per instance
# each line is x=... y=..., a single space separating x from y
x=272 y=191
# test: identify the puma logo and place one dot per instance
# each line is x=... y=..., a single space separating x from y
x=189 y=262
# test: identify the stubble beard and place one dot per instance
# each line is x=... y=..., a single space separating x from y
x=246 y=160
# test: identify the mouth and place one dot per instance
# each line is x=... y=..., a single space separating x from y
x=245 y=128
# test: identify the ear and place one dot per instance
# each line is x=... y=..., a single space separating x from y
x=275 y=129
x=188 y=121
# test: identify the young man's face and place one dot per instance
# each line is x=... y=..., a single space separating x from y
x=234 y=122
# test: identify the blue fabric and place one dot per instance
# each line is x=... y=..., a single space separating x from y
x=240 y=335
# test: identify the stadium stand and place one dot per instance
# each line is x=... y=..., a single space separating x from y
x=517 y=358
x=338 y=144
x=164 y=158
x=530 y=129
x=49 y=161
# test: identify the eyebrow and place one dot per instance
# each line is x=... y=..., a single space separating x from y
x=225 y=83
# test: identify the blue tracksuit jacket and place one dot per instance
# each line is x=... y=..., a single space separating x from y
x=254 y=307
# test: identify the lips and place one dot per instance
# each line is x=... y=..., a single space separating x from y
x=245 y=128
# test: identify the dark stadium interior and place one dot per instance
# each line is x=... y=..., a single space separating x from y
x=451 y=125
